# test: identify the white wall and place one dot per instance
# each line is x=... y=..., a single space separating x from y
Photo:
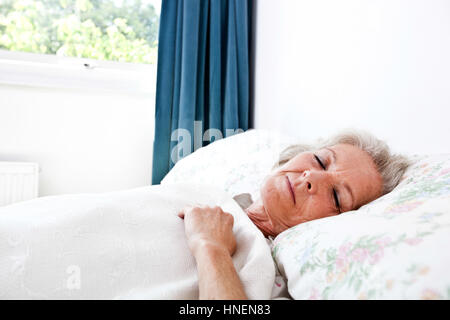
x=84 y=141
x=382 y=66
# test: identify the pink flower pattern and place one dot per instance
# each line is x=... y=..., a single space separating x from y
x=360 y=263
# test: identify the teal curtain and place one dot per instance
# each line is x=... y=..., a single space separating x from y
x=203 y=73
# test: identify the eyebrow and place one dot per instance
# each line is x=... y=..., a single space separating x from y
x=349 y=190
x=333 y=152
x=346 y=186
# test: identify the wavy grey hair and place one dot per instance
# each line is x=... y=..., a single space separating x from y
x=390 y=166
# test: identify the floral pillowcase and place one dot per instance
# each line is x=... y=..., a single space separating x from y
x=393 y=248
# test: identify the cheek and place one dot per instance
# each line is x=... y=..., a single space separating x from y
x=273 y=197
x=278 y=205
x=269 y=193
x=312 y=208
x=318 y=208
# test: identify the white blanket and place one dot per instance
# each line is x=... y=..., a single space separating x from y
x=119 y=245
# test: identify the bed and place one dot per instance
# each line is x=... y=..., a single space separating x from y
x=130 y=244
x=392 y=248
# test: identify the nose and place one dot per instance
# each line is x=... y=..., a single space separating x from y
x=312 y=180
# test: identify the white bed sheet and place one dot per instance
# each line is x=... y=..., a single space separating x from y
x=119 y=245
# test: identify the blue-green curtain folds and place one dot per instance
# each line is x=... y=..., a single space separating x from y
x=203 y=72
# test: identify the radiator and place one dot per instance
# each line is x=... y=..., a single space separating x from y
x=18 y=181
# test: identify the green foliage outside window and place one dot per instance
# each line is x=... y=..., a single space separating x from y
x=124 y=31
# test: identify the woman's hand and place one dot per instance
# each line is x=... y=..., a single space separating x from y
x=210 y=238
x=208 y=228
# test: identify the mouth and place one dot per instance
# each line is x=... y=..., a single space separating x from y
x=291 y=190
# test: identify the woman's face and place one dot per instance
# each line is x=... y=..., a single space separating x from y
x=320 y=184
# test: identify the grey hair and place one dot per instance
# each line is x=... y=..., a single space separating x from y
x=390 y=166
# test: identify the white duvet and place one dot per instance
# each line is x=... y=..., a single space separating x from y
x=119 y=245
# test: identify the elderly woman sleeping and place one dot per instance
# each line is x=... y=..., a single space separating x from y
x=130 y=244
x=309 y=182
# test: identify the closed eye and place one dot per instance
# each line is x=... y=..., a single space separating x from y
x=336 y=200
x=320 y=162
x=335 y=195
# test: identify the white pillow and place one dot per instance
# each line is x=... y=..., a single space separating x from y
x=393 y=248
x=237 y=164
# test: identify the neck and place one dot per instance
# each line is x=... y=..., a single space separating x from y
x=258 y=214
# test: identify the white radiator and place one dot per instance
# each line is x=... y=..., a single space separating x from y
x=19 y=181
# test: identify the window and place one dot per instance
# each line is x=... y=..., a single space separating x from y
x=82 y=41
x=116 y=30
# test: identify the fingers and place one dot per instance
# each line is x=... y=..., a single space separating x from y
x=206 y=210
x=205 y=224
x=183 y=211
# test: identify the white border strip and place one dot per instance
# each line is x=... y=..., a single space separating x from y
x=51 y=71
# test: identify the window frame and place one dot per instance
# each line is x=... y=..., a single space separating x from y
x=52 y=71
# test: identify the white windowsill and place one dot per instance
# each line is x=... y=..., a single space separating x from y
x=51 y=71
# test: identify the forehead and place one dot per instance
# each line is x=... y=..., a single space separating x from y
x=356 y=168
x=349 y=154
